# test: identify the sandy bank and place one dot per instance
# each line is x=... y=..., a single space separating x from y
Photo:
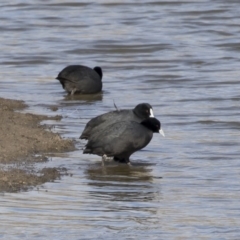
x=21 y=138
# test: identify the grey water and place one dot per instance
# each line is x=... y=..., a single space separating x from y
x=183 y=58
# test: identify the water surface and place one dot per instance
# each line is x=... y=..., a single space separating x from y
x=180 y=56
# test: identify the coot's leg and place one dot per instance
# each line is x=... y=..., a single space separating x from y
x=122 y=160
x=104 y=158
x=73 y=91
x=116 y=159
x=127 y=161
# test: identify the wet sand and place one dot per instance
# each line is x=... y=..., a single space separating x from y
x=21 y=139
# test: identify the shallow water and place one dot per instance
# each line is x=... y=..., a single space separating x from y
x=180 y=56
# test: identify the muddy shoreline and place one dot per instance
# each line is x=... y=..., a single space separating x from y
x=23 y=142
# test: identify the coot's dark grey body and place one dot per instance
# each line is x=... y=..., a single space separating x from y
x=121 y=139
x=81 y=79
x=141 y=112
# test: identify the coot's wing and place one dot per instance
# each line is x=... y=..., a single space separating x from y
x=77 y=73
x=132 y=138
x=121 y=138
x=98 y=122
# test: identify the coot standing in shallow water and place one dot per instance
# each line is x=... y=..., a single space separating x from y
x=121 y=139
x=141 y=112
x=81 y=79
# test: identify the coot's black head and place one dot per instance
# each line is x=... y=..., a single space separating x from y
x=143 y=110
x=99 y=71
x=153 y=124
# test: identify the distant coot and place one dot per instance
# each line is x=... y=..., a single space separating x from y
x=121 y=139
x=81 y=79
x=141 y=112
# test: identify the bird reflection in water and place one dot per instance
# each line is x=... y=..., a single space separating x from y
x=121 y=182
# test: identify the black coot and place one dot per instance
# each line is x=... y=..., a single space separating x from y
x=81 y=79
x=121 y=139
x=141 y=112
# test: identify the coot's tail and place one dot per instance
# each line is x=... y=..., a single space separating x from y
x=93 y=150
x=83 y=136
x=87 y=151
x=61 y=80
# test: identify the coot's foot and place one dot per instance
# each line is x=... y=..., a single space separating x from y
x=121 y=160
